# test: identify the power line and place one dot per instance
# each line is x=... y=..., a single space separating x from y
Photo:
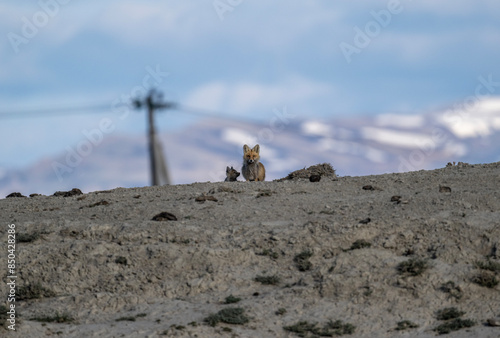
x=204 y=112
x=91 y=109
x=94 y=109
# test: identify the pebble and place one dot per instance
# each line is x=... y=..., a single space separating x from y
x=494 y=321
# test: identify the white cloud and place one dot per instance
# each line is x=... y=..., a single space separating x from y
x=53 y=22
x=129 y=21
x=152 y=22
x=449 y=8
x=210 y=96
x=254 y=23
x=410 y=47
x=257 y=22
x=257 y=98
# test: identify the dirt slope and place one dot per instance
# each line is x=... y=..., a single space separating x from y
x=100 y=259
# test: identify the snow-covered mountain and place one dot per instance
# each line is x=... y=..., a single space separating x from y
x=468 y=132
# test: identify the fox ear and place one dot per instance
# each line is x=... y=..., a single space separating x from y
x=256 y=148
x=227 y=169
x=246 y=148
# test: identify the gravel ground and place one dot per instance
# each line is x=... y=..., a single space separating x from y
x=370 y=251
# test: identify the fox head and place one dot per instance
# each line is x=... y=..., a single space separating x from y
x=232 y=173
x=251 y=155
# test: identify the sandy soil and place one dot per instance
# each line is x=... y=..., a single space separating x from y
x=100 y=259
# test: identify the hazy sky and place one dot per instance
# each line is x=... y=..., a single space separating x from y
x=320 y=59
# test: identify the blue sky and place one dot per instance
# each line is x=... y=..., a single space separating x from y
x=243 y=58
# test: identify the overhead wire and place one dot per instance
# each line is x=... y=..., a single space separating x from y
x=211 y=113
x=94 y=109
x=53 y=111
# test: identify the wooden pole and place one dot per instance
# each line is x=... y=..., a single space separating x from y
x=158 y=167
x=152 y=140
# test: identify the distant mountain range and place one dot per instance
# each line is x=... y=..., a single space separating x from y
x=354 y=146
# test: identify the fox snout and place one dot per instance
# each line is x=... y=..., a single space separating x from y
x=250 y=161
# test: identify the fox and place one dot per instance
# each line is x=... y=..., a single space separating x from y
x=231 y=175
x=253 y=169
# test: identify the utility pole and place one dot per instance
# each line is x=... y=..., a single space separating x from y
x=154 y=101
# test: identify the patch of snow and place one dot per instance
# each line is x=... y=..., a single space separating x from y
x=238 y=136
x=352 y=148
x=466 y=126
x=393 y=137
x=400 y=121
x=324 y=129
x=495 y=123
x=316 y=128
x=482 y=119
x=489 y=106
x=341 y=147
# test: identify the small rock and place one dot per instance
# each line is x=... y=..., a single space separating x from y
x=314 y=178
x=15 y=194
x=396 y=199
x=72 y=192
x=121 y=260
x=444 y=189
x=103 y=202
x=390 y=242
x=164 y=216
x=494 y=321
x=202 y=198
x=35 y=195
x=365 y=221
x=263 y=193
x=368 y=187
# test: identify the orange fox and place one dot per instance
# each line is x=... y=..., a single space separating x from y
x=252 y=169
